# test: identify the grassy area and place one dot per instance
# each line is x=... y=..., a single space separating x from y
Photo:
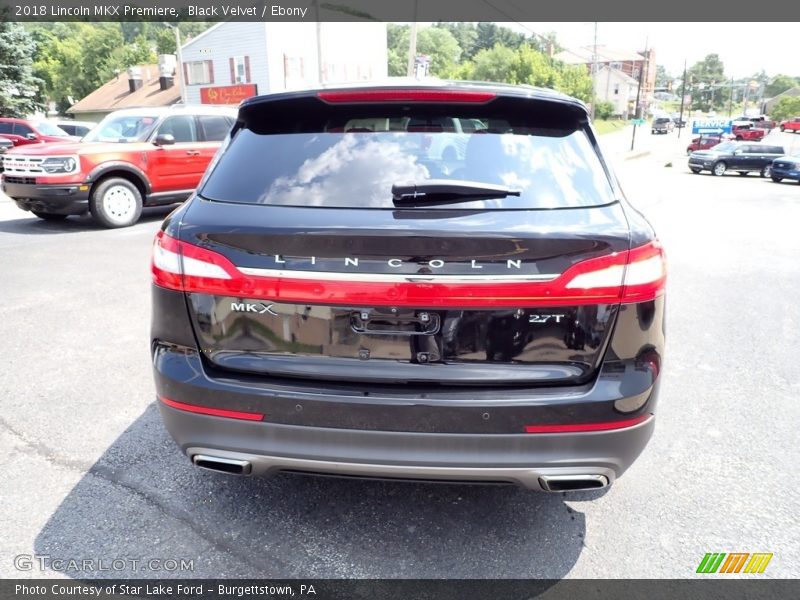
x=609 y=126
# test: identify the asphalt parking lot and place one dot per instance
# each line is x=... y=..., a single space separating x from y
x=90 y=473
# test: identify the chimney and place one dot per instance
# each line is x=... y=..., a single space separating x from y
x=134 y=79
x=166 y=70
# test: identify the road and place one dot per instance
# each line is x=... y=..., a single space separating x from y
x=90 y=473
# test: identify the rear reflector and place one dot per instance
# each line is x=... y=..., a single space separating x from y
x=215 y=412
x=579 y=427
x=406 y=95
x=629 y=276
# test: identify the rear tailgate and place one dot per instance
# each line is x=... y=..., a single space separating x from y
x=296 y=262
x=356 y=298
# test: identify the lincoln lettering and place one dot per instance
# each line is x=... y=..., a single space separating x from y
x=397 y=263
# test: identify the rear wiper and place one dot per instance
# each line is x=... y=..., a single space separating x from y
x=446 y=191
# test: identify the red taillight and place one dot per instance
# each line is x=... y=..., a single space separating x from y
x=214 y=412
x=629 y=276
x=406 y=95
x=584 y=427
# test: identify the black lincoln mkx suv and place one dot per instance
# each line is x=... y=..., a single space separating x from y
x=340 y=298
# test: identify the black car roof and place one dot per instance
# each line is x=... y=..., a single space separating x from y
x=501 y=89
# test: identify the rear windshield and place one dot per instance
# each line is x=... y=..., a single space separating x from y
x=348 y=158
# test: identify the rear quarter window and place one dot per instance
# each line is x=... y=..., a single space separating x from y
x=352 y=160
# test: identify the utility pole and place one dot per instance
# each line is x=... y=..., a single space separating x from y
x=730 y=100
x=320 y=69
x=594 y=72
x=637 y=108
x=179 y=70
x=412 y=44
x=683 y=97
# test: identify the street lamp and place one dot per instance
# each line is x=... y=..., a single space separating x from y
x=179 y=58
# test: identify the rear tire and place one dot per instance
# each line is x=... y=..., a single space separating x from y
x=49 y=216
x=116 y=202
x=695 y=170
x=766 y=171
x=777 y=179
x=742 y=172
x=719 y=169
x=783 y=128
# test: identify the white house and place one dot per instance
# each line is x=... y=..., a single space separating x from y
x=231 y=61
x=615 y=86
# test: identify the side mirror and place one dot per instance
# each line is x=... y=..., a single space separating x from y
x=31 y=136
x=164 y=139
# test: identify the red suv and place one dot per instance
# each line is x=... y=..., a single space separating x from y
x=133 y=158
x=704 y=142
x=746 y=132
x=791 y=125
x=22 y=132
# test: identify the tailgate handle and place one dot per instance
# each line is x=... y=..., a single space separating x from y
x=370 y=323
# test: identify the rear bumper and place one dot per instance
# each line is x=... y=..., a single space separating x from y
x=463 y=437
x=61 y=199
x=526 y=460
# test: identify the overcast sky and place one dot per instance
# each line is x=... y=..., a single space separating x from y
x=771 y=46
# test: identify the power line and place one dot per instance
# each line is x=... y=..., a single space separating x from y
x=505 y=14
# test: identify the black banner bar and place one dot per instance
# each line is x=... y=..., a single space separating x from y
x=740 y=588
x=520 y=11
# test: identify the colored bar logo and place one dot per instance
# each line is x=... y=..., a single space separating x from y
x=735 y=562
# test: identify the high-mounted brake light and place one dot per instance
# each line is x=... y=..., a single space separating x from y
x=406 y=95
x=637 y=275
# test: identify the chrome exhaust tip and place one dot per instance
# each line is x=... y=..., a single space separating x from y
x=222 y=465
x=572 y=483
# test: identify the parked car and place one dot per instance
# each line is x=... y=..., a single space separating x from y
x=741 y=157
x=744 y=131
x=76 y=128
x=325 y=304
x=133 y=158
x=703 y=142
x=22 y=132
x=786 y=167
x=662 y=125
x=678 y=121
x=759 y=121
x=792 y=125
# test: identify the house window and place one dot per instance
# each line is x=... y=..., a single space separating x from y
x=199 y=72
x=240 y=69
x=616 y=65
x=616 y=89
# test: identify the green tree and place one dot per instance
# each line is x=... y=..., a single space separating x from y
x=465 y=34
x=443 y=49
x=604 y=110
x=490 y=34
x=495 y=64
x=575 y=81
x=535 y=68
x=397 y=40
x=705 y=76
x=785 y=108
x=779 y=84
x=165 y=41
x=19 y=88
x=662 y=77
